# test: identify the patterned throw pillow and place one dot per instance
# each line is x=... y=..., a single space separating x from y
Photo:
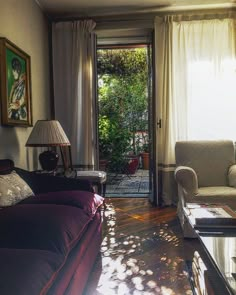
x=13 y=189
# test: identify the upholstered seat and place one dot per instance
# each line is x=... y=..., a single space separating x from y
x=205 y=173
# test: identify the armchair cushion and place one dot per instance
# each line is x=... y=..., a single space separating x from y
x=232 y=176
x=216 y=195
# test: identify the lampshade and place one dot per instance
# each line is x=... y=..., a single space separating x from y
x=47 y=133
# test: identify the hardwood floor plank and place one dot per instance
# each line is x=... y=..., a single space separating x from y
x=143 y=251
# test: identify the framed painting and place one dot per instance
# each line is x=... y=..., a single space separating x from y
x=15 y=83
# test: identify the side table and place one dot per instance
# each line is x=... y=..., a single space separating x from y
x=97 y=178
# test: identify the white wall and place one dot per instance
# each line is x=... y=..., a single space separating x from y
x=23 y=23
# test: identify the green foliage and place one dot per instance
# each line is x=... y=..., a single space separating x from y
x=122 y=92
x=122 y=62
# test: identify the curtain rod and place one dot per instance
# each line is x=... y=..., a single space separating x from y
x=108 y=18
x=138 y=16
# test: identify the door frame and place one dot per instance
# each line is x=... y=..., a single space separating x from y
x=153 y=172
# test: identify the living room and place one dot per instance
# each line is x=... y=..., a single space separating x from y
x=30 y=33
x=26 y=25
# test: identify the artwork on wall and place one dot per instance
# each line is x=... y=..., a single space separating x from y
x=15 y=85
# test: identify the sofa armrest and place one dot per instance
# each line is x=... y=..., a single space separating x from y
x=6 y=166
x=41 y=183
x=232 y=175
x=186 y=177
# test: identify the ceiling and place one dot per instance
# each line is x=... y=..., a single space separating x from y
x=67 y=8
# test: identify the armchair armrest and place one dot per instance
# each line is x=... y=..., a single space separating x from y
x=186 y=177
x=232 y=175
x=40 y=183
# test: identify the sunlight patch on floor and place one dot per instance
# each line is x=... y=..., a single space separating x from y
x=123 y=273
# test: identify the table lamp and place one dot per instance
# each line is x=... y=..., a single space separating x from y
x=49 y=133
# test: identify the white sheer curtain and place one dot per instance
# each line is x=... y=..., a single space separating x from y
x=204 y=78
x=195 y=78
x=74 y=86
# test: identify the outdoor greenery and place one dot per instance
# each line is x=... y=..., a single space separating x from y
x=123 y=109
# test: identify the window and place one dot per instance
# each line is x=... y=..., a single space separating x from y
x=211 y=106
x=204 y=79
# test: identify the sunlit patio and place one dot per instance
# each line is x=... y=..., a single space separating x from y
x=128 y=184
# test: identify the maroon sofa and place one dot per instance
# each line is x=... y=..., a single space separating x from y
x=49 y=242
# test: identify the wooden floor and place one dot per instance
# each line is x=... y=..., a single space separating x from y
x=143 y=251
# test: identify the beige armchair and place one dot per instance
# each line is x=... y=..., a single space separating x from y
x=205 y=173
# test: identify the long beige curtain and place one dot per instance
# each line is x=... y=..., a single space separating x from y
x=166 y=136
x=73 y=47
x=195 y=76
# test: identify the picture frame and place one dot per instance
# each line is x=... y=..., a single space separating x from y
x=15 y=85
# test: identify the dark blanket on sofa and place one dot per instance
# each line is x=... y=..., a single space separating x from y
x=25 y=271
x=43 y=226
x=37 y=236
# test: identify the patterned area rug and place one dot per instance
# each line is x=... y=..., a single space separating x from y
x=132 y=184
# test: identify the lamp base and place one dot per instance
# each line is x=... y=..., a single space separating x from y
x=48 y=160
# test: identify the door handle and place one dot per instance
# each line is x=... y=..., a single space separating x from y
x=159 y=123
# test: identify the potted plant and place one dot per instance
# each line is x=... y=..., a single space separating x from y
x=145 y=156
x=132 y=163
